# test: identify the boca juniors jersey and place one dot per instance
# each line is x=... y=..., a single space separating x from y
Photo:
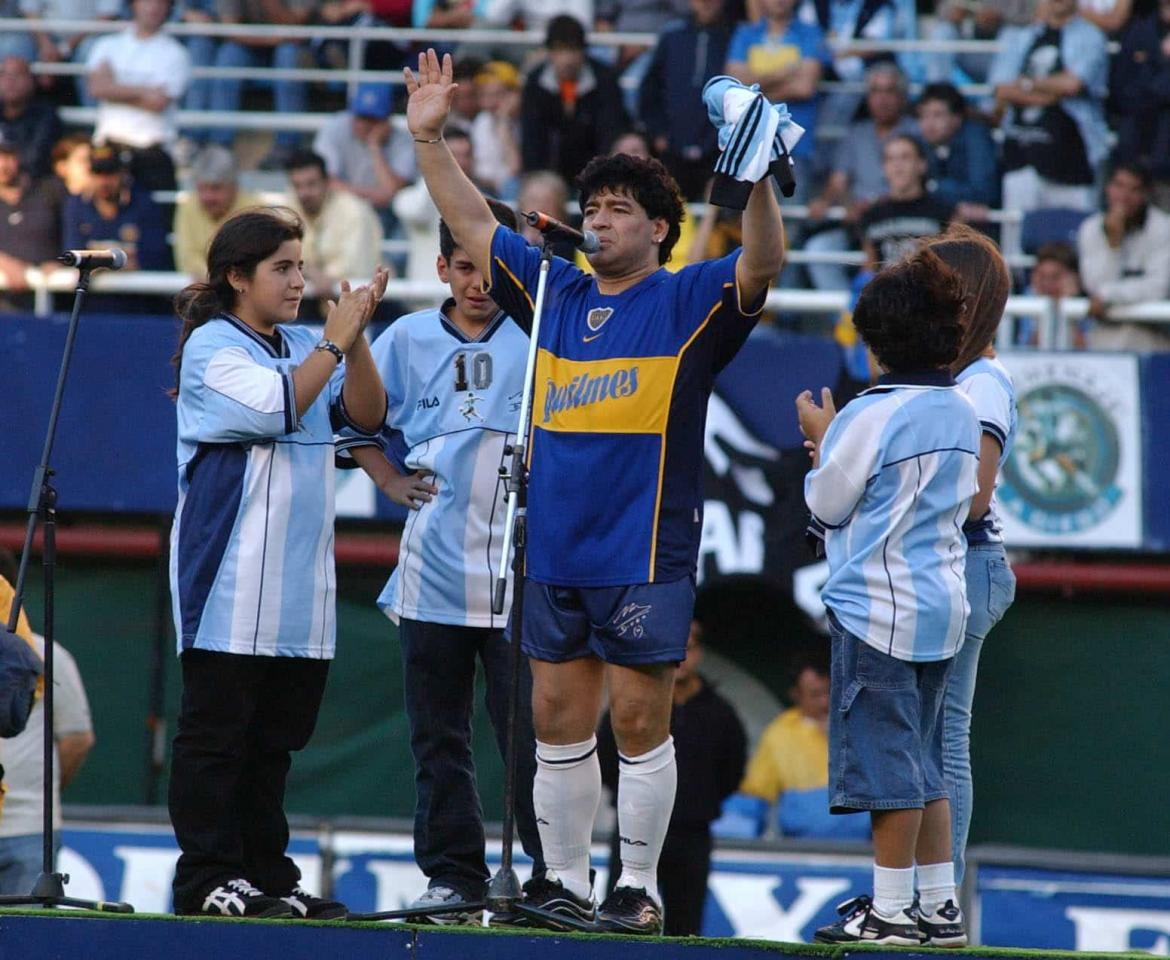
x=619 y=408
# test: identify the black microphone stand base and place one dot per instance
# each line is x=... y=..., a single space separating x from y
x=49 y=892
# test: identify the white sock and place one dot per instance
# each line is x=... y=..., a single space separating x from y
x=893 y=889
x=936 y=885
x=565 y=793
x=645 y=801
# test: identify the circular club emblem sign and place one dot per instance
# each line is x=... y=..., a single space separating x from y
x=1061 y=475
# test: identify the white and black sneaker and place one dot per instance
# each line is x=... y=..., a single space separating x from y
x=551 y=896
x=943 y=926
x=861 y=923
x=441 y=895
x=306 y=906
x=630 y=910
x=238 y=898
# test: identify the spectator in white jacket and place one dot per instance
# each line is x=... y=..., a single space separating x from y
x=1124 y=259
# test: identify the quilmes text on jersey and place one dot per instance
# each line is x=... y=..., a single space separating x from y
x=586 y=389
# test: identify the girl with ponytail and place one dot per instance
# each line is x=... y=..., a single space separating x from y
x=252 y=580
x=991 y=585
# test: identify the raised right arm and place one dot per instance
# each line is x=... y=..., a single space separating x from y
x=460 y=203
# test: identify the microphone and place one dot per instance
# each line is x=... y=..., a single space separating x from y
x=112 y=259
x=586 y=241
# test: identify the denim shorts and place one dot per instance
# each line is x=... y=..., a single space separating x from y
x=885 y=728
x=629 y=625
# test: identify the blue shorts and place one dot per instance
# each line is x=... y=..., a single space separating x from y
x=639 y=624
x=885 y=728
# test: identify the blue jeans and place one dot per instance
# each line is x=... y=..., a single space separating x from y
x=21 y=860
x=438 y=670
x=202 y=52
x=991 y=587
x=289 y=95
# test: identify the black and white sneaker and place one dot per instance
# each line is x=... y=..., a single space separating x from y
x=861 y=923
x=441 y=895
x=550 y=895
x=630 y=910
x=306 y=906
x=943 y=926
x=238 y=898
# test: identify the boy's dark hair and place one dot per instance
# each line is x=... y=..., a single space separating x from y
x=647 y=182
x=947 y=93
x=915 y=144
x=564 y=33
x=1063 y=253
x=300 y=159
x=911 y=315
x=504 y=214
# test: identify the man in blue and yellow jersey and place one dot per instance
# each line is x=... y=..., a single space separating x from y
x=626 y=361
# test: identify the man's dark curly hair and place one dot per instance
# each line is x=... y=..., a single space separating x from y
x=646 y=181
x=911 y=315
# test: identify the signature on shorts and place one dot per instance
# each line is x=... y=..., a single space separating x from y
x=628 y=620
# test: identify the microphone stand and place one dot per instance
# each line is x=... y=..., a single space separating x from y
x=503 y=894
x=49 y=889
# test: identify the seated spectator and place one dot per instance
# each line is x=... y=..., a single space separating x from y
x=16 y=43
x=534 y=14
x=546 y=192
x=856 y=179
x=343 y=238
x=688 y=53
x=972 y=20
x=289 y=95
x=116 y=213
x=1056 y=272
x=844 y=20
x=1125 y=258
x=70 y=163
x=137 y=77
x=710 y=747
x=30 y=226
x=200 y=213
x=1140 y=98
x=495 y=131
x=68 y=47
x=790 y=768
x=570 y=105
x=364 y=153
x=1049 y=83
x=786 y=57
x=961 y=167
x=25 y=121
x=21 y=850
x=907 y=212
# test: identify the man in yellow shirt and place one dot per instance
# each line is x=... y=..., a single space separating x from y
x=24 y=631
x=790 y=767
x=199 y=214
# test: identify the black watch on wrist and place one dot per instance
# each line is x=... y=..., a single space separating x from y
x=332 y=347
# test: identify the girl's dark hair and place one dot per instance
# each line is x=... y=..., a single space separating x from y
x=986 y=286
x=647 y=182
x=242 y=242
x=911 y=315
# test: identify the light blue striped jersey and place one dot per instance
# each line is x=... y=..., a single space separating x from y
x=989 y=386
x=897 y=474
x=455 y=403
x=252 y=543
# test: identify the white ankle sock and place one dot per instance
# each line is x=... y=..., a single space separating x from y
x=565 y=792
x=893 y=889
x=936 y=885
x=645 y=801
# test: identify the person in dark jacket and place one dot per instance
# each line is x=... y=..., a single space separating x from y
x=571 y=105
x=1140 y=104
x=711 y=751
x=687 y=55
x=960 y=155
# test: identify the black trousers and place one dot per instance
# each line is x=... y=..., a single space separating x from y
x=682 y=878
x=240 y=720
x=438 y=667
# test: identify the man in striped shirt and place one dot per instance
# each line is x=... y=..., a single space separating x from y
x=892 y=480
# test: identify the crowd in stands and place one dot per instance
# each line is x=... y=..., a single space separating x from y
x=1066 y=123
